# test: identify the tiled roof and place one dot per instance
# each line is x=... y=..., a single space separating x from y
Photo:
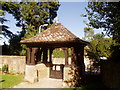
x=56 y=33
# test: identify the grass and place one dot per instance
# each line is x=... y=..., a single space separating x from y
x=8 y=81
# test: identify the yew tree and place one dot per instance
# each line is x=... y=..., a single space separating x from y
x=29 y=16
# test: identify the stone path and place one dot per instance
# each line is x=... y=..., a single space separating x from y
x=44 y=83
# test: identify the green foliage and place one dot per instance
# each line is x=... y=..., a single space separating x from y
x=106 y=15
x=29 y=16
x=5 y=32
x=10 y=80
x=5 y=68
x=88 y=32
x=15 y=46
x=98 y=48
x=2 y=13
x=99 y=45
x=5 y=49
x=57 y=53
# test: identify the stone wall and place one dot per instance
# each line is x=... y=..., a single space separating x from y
x=34 y=73
x=60 y=60
x=16 y=64
x=42 y=71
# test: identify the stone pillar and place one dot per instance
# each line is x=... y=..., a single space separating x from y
x=31 y=73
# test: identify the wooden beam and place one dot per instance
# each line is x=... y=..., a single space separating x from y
x=37 y=55
x=56 y=44
x=28 y=56
x=79 y=62
x=50 y=55
x=40 y=53
x=66 y=56
x=33 y=56
x=45 y=57
x=72 y=56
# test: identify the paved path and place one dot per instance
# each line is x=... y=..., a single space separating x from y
x=44 y=83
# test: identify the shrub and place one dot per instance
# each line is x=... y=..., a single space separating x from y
x=5 y=68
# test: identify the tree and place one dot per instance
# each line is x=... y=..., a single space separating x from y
x=4 y=29
x=4 y=33
x=29 y=16
x=100 y=47
x=88 y=33
x=106 y=15
x=97 y=48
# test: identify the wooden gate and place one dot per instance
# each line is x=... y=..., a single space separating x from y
x=56 y=71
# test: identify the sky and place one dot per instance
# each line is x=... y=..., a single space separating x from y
x=68 y=14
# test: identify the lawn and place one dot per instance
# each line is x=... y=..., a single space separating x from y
x=8 y=81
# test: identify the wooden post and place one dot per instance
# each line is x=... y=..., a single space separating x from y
x=82 y=63
x=33 y=56
x=72 y=56
x=50 y=55
x=37 y=54
x=79 y=62
x=66 y=56
x=45 y=53
x=28 y=56
x=40 y=54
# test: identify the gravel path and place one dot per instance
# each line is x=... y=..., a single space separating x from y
x=44 y=83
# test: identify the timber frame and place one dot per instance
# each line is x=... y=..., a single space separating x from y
x=39 y=46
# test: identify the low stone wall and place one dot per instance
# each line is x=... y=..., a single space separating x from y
x=34 y=73
x=42 y=71
x=110 y=72
x=16 y=64
x=60 y=60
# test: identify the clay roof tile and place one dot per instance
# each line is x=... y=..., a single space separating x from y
x=56 y=33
